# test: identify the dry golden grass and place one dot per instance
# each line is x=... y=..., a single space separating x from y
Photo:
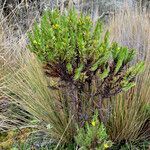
x=23 y=82
x=131 y=28
x=30 y=88
x=11 y=49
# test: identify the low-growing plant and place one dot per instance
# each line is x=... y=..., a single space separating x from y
x=93 y=135
x=36 y=140
x=72 y=49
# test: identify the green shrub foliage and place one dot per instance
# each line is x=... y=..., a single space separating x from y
x=93 y=135
x=73 y=49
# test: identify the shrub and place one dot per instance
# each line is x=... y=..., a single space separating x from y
x=73 y=50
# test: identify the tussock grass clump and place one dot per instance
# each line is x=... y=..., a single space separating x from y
x=130 y=116
x=30 y=88
x=131 y=28
x=12 y=114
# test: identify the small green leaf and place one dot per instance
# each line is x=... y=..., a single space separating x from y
x=95 y=66
x=69 y=67
x=121 y=56
x=34 y=121
x=128 y=86
x=134 y=70
x=105 y=73
x=78 y=72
